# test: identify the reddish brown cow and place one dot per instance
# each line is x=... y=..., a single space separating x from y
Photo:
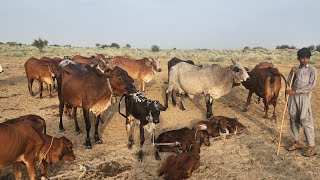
x=22 y=143
x=41 y=70
x=37 y=122
x=92 y=90
x=180 y=166
x=141 y=70
x=86 y=60
x=265 y=82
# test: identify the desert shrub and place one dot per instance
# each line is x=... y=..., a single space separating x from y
x=285 y=47
x=311 y=47
x=318 y=48
x=115 y=45
x=40 y=44
x=155 y=48
x=128 y=46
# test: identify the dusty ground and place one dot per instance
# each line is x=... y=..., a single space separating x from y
x=251 y=155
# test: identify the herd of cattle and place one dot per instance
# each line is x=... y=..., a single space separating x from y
x=92 y=83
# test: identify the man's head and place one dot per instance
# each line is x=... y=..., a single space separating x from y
x=303 y=55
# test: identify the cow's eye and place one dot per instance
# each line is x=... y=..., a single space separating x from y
x=236 y=69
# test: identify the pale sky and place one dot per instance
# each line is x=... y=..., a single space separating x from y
x=181 y=24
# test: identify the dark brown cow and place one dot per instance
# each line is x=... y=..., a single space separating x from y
x=265 y=82
x=87 y=60
x=22 y=143
x=185 y=137
x=41 y=70
x=92 y=90
x=181 y=166
x=37 y=122
x=141 y=70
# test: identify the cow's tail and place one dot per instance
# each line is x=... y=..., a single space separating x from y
x=120 y=105
x=285 y=81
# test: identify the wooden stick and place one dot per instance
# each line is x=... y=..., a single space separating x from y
x=284 y=111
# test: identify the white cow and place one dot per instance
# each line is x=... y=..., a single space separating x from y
x=213 y=81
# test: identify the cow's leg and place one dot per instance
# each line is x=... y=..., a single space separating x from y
x=74 y=114
x=50 y=94
x=167 y=98
x=209 y=102
x=44 y=166
x=30 y=82
x=61 y=104
x=54 y=82
x=246 y=107
x=40 y=88
x=142 y=139
x=31 y=169
x=17 y=170
x=179 y=98
x=156 y=153
x=88 y=126
x=173 y=98
x=274 y=103
x=266 y=106
x=96 y=130
x=129 y=128
x=142 y=85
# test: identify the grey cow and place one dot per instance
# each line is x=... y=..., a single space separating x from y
x=213 y=81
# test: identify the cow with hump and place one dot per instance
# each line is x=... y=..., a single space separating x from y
x=42 y=70
x=91 y=89
x=265 y=82
x=213 y=81
x=23 y=142
x=142 y=70
x=147 y=114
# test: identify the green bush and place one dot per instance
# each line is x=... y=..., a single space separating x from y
x=115 y=45
x=155 y=48
x=40 y=44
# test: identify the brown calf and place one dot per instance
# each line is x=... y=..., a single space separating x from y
x=180 y=166
x=37 y=122
x=22 y=143
x=141 y=70
x=41 y=70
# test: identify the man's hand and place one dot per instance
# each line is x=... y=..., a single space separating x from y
x=293 y=70
x=290 y=91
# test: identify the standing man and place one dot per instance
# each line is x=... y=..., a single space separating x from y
x=299 y=104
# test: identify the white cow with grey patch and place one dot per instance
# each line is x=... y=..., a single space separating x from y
x=213 y=81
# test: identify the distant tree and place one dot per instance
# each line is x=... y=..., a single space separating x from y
x=115 y=45
x=55 y=45
x=174 y=48
x=11 y=43
x=285 y=47
x=97 y=45
x=1 y=43
x=128 y=46
x=104 y=46
x=155 y=48
x=40 y=44
x=246 y=48
x=311 y=47
x=318 y=48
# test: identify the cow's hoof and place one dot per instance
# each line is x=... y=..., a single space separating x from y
x=130 y=145
x=41 y=97
x=265 y=116
x=98 y=141
x=62 y=129
x=88 y=147
x=182 y=109
x=78 y=131
x=157 y=157
x=140 y=156
x=244 y=109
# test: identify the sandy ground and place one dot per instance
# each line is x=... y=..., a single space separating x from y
x=250 y=155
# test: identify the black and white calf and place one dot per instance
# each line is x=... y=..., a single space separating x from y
x=145 y=111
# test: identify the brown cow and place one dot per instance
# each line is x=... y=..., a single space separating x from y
x=265 y=82
x=22 y=143
x=41 y=70
x=141 y=70
x=92 y=90
x=87 y=60
x=37 y=122
x=180 y=166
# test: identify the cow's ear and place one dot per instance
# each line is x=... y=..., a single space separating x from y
x=233 y=62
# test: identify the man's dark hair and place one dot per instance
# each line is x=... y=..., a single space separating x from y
x=304 y=52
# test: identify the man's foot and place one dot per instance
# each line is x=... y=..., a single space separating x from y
x=296 y=145
x=311 y=151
